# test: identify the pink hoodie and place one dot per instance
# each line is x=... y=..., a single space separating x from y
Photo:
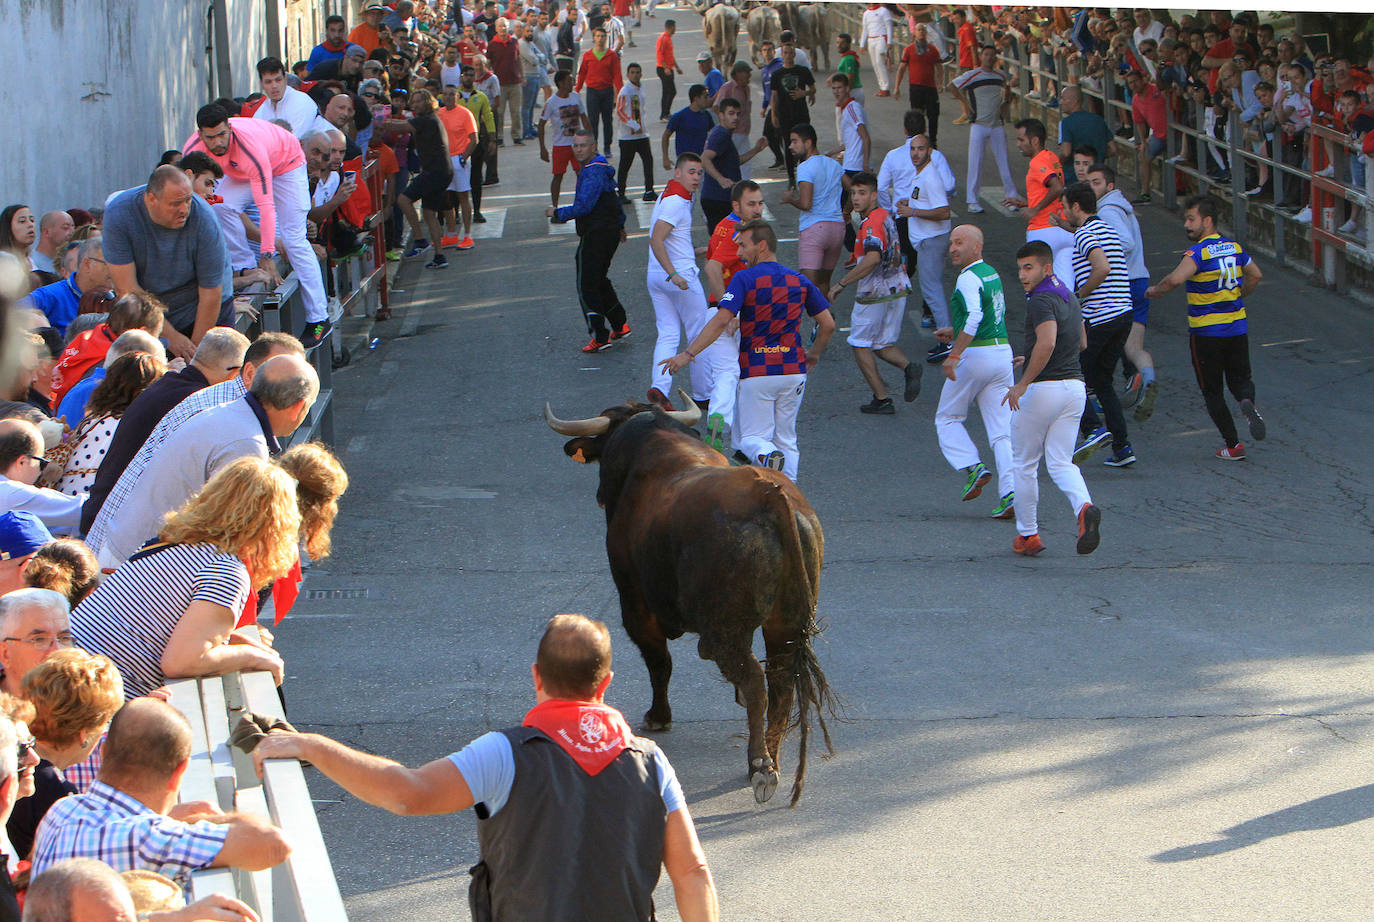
x=258 y=150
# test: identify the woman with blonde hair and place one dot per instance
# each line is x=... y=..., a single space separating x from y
x=66 y=566
x=169 y=612
x=74 y=695
x=320 y=481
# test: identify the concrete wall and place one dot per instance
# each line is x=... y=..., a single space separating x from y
x=114 y=83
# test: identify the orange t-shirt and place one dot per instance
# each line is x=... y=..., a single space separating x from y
x=363 y=34
x=724 y=249
x=386 y=159
x=1043 y=166
x=461 y=127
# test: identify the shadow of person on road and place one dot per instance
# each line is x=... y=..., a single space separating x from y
x=1329 y=812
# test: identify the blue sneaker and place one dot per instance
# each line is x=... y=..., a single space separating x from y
x=1090 y=443
x=1121 y=458
x=418 y=248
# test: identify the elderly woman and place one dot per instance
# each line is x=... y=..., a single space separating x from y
x=170 y=611
x=74 y=695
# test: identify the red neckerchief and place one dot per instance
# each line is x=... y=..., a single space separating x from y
x=284 y=594
x=676 y=188
x=592 y=733
x=341 y=46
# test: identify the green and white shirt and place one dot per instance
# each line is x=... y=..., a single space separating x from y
x=979 y=308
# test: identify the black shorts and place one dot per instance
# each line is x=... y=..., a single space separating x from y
x=429 y=189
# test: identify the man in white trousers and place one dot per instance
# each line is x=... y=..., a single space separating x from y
x=876 y=37
x=986 y=91
x=978 y=368
x=264 y=164
x=924 y=203
x=1042 y=206
x=678 y=299
x=769 y=300
x=1047 y=402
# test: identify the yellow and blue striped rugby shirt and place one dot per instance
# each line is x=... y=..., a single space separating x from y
x=1214 y=304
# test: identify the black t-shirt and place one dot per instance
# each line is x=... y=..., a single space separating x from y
x=431 y=145
x=791 y=111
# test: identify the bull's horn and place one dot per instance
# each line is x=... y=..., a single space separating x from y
x=690 y=416
x=597 y=425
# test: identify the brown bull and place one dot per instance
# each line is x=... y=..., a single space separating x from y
x=698 y=546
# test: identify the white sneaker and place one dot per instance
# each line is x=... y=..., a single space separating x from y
x=1347 y=228
x=1255 y=191
x=1328 y=173
x=1304 y=216
x=335 y=309
x=1178 y=158
x=975 y=208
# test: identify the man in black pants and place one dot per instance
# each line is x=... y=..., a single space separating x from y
x=634 y=135
x=480 y=107
x=793 y=93
x=600 y=231
x=1220 y=275
x=666 y=61
x=771 y=63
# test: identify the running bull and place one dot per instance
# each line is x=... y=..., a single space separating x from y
x=698 y=546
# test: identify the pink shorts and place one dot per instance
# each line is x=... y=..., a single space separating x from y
x=818 y=247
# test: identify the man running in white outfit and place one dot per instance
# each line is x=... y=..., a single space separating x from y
x=678 y=298
x=1047 y=401
x=986 y=91
x=769 y=300
x=924 y=203
x=978 y=368
x=876 y=37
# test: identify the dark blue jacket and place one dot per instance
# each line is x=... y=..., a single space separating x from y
x=596 y=206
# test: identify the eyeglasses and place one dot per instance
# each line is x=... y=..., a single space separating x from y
x=42 y=462
x=44 y=641
x=26 y=748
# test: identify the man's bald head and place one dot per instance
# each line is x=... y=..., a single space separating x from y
x=284 y=381
x=149 y=740
x=1070 y=99
x=574 y=657
x=965 y=245
x=20 y=443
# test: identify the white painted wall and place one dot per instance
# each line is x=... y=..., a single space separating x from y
x=107 y=86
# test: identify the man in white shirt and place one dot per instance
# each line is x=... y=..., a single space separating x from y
x=284 y=103
x=925 y=205
x=634 y=137
x=1146 y=27
x=21 y=459
x=451 y=71
x=678 y=298
x=897 y=175
x=876 y=37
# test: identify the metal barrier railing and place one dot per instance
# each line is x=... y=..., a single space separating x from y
x=360 y=282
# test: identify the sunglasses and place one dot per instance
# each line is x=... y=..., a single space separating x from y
x=26 y=748
x=42 y=462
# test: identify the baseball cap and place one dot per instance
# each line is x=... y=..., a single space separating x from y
x=22 y=533
x=373 y=5
x=355 y=51
x=704 y=56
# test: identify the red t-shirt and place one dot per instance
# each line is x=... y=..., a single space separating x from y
x=663 y=52
x=599 y=73
x=968 y=45
x=921 y=67
x=724 y=249
x=1043 y=167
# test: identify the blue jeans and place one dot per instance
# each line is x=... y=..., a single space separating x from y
x=532 y=87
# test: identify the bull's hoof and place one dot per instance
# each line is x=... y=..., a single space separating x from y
x=650 y=725
x=763 y=777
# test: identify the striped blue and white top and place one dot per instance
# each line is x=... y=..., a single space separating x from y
x=133 y=612
x=1112 y=298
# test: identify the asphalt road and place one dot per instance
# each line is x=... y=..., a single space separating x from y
x=1176 y=727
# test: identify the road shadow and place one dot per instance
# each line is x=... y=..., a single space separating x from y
x=1329 y=812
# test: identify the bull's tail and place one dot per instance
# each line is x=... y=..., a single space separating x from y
x=801 y=581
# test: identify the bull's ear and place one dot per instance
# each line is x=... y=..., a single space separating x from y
x=583 y=450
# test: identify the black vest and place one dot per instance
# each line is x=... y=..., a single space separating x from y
x=568 y=846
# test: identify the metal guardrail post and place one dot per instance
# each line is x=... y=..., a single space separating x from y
x=1023 y=78
x=1239 y=201
x=1168 y=173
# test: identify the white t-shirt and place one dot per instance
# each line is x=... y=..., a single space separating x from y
x=564 y=115
x=325 y=189
x=677 y=211
x=629 y=111
x=451 y=76
x=824 y=175
x=928 y=193
x=1155 y=32
x=295 y=107
x=876 y=24
x=851 y=117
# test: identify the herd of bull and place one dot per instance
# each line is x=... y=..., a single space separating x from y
x=679 y=518
x=764 y=22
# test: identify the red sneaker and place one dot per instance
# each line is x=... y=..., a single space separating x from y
x=1232 y=454
x=448 y=243
x=466 y=243
x=1030 y=545
x=1089 y=519
x=657 y=399
x=595 y=346
x=621 y=333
